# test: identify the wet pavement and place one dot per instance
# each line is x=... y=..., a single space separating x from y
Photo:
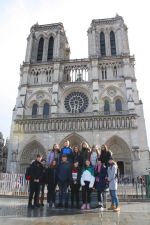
x=14 y=211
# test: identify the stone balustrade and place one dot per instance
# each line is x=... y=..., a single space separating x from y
x=71 y=124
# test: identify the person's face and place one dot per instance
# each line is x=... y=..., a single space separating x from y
x=94 y=149
x=103 y=148
x=55 y=147
x=43 y=163
x=87 y=163
x=76 y=149
x=54 y=163
x=64 y=159
x=39 y=159
x=98 y=162
x=110 y=161
x=84 y=145
x=66 y=144
x=76 y=164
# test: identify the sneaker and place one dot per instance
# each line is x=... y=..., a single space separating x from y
x=30 y=206
x=71 y=206
x=59 y=205
x=53 y=205
x=83 y=206
x=99 y=207
x=88 y=206
x=66 y=205
x=47 y=204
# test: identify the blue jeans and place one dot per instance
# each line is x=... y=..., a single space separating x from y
x=62 y=185
x=114 y=197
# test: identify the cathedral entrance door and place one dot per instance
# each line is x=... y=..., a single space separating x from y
x=121 y=167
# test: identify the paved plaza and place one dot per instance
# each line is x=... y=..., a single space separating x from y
x=15 y=212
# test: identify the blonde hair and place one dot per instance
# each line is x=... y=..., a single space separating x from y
x=97 y=150
x=74 y=149
x=85 y=144
x=57 y=145
x=114 y=163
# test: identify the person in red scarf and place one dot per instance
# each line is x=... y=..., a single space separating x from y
x=75 y=184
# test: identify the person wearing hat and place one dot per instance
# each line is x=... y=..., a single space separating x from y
x=75 y=184
x=63 y=175
x=112 y=178
x=100 y=174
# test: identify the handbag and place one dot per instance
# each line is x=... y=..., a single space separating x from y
x=106 y=181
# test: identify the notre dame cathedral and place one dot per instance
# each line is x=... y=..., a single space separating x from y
x=94 y=99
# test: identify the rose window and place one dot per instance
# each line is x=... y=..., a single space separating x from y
x=76 y=102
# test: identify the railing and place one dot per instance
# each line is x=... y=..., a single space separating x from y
x=73 y=115
x=128 y=189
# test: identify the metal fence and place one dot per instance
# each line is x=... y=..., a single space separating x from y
x=128 y=188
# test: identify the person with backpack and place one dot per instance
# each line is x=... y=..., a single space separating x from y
x=27 y=173
x=67 y=151
x=36 y=172
x=75 y=184
x=87 y=183
x=51 y=181
x=100 y=174
x=112 y=179
x=53 y=154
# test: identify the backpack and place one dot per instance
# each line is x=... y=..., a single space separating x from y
x=27 y=174
x=117 y=174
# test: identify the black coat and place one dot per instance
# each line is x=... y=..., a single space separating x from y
x=86 y=155
x=78 y=176
x=78 y=158
x=51 y=176
x=36 y=171
x=105 y=156
x=64 y=172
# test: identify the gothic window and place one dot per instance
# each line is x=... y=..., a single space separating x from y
x=40 y=49
x=50 y=49
x=34 y=109
x=104 y=73
x=49 y=78
x=112 y=43
x=76 y=102
x=37 y=77
x=102 y=44
x=115 y=72
x=106 y=106
x=118 y=105
x=46 y=109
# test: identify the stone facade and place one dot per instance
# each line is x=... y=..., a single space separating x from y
x=81 y=97
x=3 y=152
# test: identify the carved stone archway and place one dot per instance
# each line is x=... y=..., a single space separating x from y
x=29 y=153
x=74 y=139
x=121 y=152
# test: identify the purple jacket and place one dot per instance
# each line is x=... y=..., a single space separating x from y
x=51 y=157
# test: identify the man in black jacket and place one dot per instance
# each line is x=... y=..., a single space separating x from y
x=36 y=172
x=64 y=178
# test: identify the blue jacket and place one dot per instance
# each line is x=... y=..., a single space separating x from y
x=102 y=175
x=64 y=172
x=68 y=152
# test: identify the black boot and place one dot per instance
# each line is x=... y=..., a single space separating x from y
x=71 y=205
x=78 y=207
x=30 y=206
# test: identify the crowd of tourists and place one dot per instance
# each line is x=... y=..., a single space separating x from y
x=83 y=168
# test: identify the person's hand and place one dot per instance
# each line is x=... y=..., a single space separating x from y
x=35 y=180
x=75 y=182
x=47 y=185
x=90 y=187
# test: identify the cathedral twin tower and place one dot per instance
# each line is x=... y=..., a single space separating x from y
x=93 y=99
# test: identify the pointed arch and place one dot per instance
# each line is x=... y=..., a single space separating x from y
x=30 y=152
x=74 y=139
x=102 y=44
x=50 y=49
x=40 y=49
x=112 y=43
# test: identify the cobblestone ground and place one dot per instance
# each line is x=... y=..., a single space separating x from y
x=15 y=212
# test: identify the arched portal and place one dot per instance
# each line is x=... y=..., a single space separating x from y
x=74 y=139
x=121 y=153
x=29 y=153
x=121 y=167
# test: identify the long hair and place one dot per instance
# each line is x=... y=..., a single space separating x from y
x=106 y=148
x=85 y=144
x=97 y=150
x=78 y=150
x=114 y=163
x=73 y=167
x=51 y=164
x=58 y=149
x=85 y=166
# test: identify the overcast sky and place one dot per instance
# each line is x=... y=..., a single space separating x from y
x=17 y=16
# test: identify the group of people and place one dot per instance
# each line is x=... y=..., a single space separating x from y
x=85 y=168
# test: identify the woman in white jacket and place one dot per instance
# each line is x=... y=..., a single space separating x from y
x=87 y=183
x=112 y=178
